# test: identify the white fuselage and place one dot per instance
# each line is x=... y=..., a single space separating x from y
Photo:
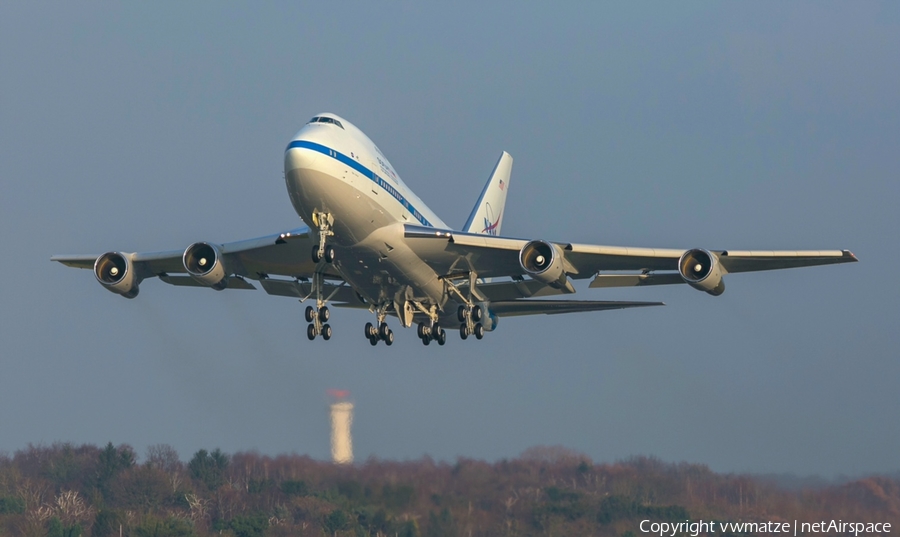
x=337 y=170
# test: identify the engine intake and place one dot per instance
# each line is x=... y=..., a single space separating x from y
x=115 y=271
x=701 y=270
x=543 y=262
x=203 y=261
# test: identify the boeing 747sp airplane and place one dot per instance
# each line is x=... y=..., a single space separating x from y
x=371 y=243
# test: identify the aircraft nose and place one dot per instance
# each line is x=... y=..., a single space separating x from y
x=298 y=156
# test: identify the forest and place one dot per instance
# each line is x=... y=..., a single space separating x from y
x=65 y=490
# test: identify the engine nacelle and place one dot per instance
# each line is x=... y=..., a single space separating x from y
x=543 y=262
x=701 y=270
x=203 y=261
x=115 y=271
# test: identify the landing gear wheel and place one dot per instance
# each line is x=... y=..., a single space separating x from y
x=389 y=339
x=463 y=332
x=383 y=331
x=477 y=314
x=373 y=341
x=310 y=314
x=326 y=332
x=329 y=254
x=324 y=314
x=426 y=341
x=311 y=332
x=370 y=332
x=461 y=314
x=479 y=331
x=441 y=337
x=421 y=331
x=315 y=253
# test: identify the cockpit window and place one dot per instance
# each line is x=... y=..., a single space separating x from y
x=318 y=119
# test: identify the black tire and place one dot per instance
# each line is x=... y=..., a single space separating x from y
x=479 y=331
x=389 y=340
x=420 y=331
x=370 y=331
x=315 y=254
x=329 y=254
x=463 y=332
x=373 y=341
x=310 y=314
x=311 y=332
x=383 y=331
x=324 y=314
x=461 y=314
x=426 y=341
x=441 y=337
x=326 y=332
x=477 y=314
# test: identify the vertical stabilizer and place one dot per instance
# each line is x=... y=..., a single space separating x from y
x=487 y=216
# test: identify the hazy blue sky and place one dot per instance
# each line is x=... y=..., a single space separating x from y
x=717 y=125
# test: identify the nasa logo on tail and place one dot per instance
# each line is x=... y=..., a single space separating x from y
x=490 y=228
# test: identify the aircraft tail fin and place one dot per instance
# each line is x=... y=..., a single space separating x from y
x=487 y=215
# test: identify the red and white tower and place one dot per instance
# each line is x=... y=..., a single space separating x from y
x=341 y=421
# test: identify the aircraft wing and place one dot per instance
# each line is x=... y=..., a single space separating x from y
x=454 y=253
x=284 y=254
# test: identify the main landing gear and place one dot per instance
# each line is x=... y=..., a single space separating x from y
x=318 y=323
x=318 y=316
x=469 y=313
x=320 y=251
x=470 y=317
x=429 y=332
x=382 y=332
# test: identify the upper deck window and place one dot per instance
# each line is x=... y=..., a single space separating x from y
x=326 y=120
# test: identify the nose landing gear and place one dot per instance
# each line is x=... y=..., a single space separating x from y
x=324 y=221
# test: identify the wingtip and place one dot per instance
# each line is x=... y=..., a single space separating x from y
x=851 y=256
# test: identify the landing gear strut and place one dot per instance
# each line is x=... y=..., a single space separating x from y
x=383 y=332
x=432 y=331
x=318 y=316
x=469 y=314
x=324 y=221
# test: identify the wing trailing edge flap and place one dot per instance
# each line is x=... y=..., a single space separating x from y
x=511 y=308
x=339 y=295
x=234 y=282
x=635 y=280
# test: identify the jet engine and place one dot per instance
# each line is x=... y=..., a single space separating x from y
x=203 y=261
x=701 y=270
x=543 y=262
x=115 y=271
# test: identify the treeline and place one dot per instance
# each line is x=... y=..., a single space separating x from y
x=65 y=490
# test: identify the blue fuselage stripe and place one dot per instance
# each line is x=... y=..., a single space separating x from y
x=366 y=172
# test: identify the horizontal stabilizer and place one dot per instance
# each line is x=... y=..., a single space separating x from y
x=509 y=308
